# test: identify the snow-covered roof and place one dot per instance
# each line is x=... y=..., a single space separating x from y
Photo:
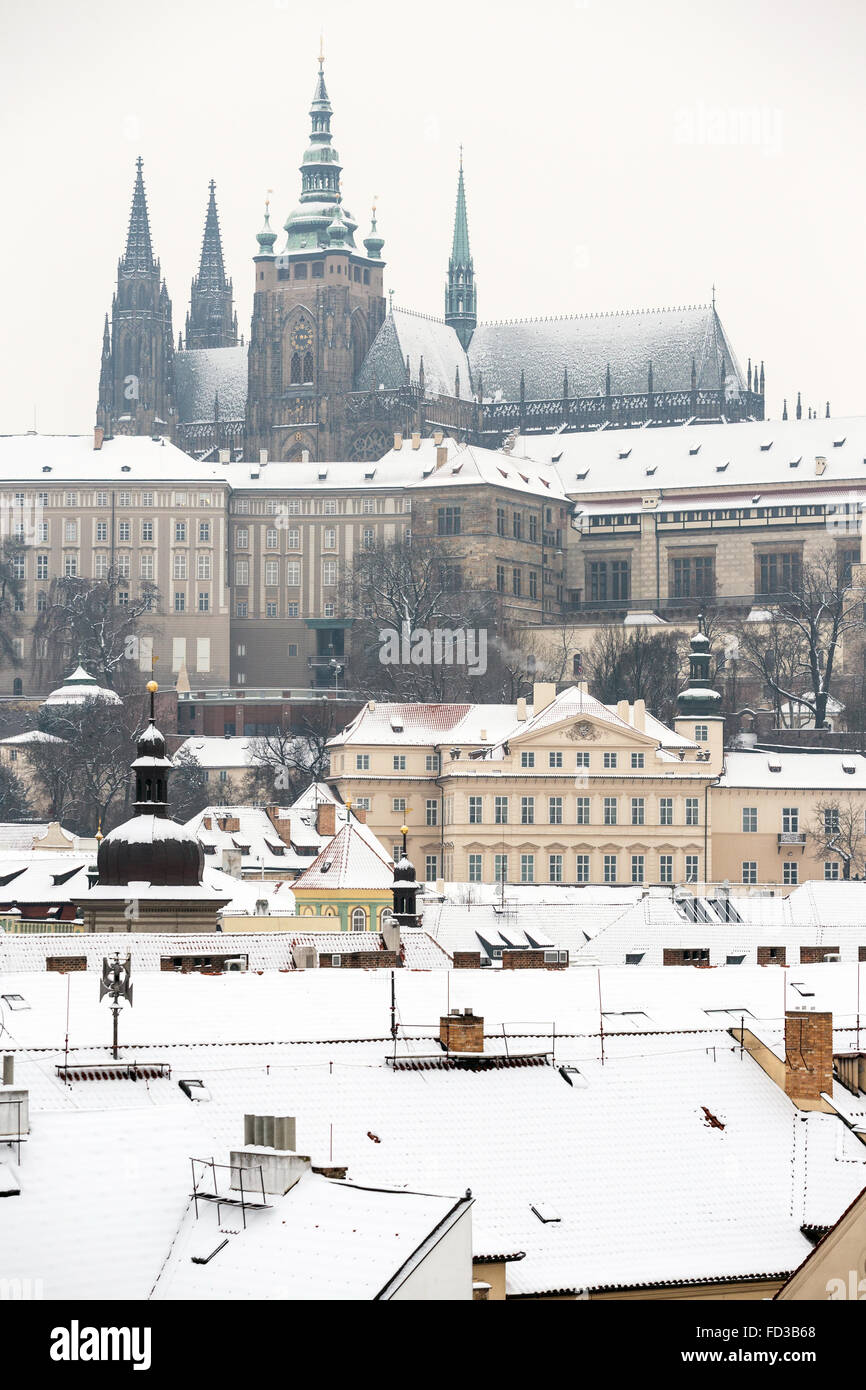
x=772 y=459
x=405 y=334
x=806 y=771
x=205 y=377
x=62 y=458
x=725 y=1172
x=587 y=344
x=31 y=736
x=324 y=1239
x=350 y=860
x=212 y=752
x=78 y=687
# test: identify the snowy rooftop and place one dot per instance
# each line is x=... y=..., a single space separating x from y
x=208 y=379
x=350 y=860
x=43 y=458
x=812 y=771
x=723 y=1172
x=738 y=460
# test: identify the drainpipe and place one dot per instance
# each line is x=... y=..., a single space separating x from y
x=437 y=749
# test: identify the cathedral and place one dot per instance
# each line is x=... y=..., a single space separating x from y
x=330 y=370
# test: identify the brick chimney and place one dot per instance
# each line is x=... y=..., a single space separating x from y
x=282 y=824
x=461 y=1031
x=360 y=814
x=326 y=819
x=808 y=1057
x=98 y=436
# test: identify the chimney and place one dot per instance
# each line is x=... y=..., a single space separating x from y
x=808 y=1057
x=282 y=824
x=267 y=1159
x=441 y=455
x=360 y=814
x=206 y=822
x=521 y=708
x=398 y=442
x=224 y=456
x=639 y=714
x=326 y=819
x=263 y=457
x=461 y=1031
x=622 y=709
x=390 y=930
x=543 y=694
x=438 y=436
x=98 y=436
x=416 y=439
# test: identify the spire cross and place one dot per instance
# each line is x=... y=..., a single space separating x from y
x=212 y=186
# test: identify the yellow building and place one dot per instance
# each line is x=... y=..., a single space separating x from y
x=348 y=886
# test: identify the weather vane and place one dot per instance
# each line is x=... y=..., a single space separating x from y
x=116 y=983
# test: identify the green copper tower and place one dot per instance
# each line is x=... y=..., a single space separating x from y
x=461 y=308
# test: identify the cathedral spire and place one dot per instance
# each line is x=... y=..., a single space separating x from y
x=139 y=251
x=307 y=225
x=461 y=307
x=211 y=321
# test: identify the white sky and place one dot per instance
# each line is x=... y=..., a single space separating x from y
x=618 y=154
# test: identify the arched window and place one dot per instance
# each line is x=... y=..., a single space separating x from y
x=330 y=912
x=359 y=919
x=308 y=366
x=295 y=378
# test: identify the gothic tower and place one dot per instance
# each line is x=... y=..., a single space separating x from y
x=135 y=382
x=211 y=322
x=461 y=305
x=317 y=307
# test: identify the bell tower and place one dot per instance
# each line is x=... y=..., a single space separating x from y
x=317 y=306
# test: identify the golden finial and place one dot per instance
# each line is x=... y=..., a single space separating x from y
x=152 y=687
x=99 y=834
x=404 y=830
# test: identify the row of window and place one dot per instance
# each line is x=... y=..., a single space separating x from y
x=528 y=867
x=293 y=538
x=72 y=531
x=329 y=506
x=791 y=820
x=636 y=811
x=271 y=573
x=694 y=575
x=23 y=500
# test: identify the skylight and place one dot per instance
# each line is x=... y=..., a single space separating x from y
x=15 y=1001
x=545 y=1213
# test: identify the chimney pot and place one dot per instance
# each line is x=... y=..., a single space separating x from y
x=98 y=436
x=441 y=455
x=416 y=439
x=398 y=441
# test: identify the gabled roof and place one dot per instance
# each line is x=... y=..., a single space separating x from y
x=405 y=334
x=348 y=861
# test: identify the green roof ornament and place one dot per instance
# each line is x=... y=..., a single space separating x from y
x=266 y=237
x=374 y=243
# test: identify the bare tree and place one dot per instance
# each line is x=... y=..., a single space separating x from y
x=14 y=800
x=98 y=622
x=636 y=664
x=11 y=595
x=285 y=762
x=839 y=830
x=793 y=651
x=88 y=780
x=188 y=791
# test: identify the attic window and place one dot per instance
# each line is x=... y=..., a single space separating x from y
x=773 y=766
x=634 y=957
x=795 y=463
x=125 y=468
x=371 y=475
x=545 y=482
x=695 y=449
x=651 y=471
x=545 y=1213
x=502 y=471
x=554 y=458
x=425 y=472
x=720 y=467
x=766 y=446
x=582 y=473
x=457 y=467
x=326 y=866
x=396 y=724
x=837 y=443
x=15 y=1001
x=322 y=475
x=848 y=767
x=46 y=467
x=524 y=477
x=802 y=989
x=624 y=453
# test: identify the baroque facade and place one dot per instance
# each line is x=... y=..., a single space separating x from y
x=331 y=371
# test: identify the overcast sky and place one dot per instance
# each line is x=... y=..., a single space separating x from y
x=618 y=154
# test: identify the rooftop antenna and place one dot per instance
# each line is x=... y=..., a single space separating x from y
x=116 y=983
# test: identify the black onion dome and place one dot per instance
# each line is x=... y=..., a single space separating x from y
x=150 y=849
x=404 y=870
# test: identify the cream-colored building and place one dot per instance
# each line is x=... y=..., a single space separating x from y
x=565 y=790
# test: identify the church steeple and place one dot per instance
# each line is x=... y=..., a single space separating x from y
x=211 y=322
x=136 y=372
x=460 y=295
x=139 y=251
